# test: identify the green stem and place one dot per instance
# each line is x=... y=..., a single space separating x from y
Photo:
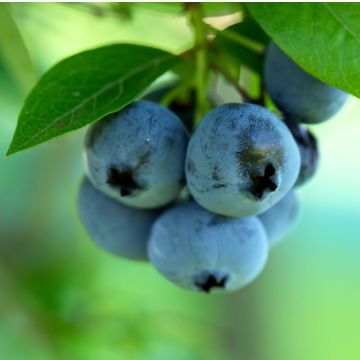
x=234 y=82
x=238 y=39
x=201 y=64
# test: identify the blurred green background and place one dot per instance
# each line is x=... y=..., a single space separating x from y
x=63 y=298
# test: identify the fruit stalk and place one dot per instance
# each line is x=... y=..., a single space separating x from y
x=200 y=46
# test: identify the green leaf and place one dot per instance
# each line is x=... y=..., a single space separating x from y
x=86 y=87
x=244 y=42
x=323 y=38
x=14 y=52
x=250 y=30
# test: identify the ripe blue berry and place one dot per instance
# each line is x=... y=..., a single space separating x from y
x=309 y=152
x=241 y=160
x=137 y=155
x=280 y=219
x=202 y=251
x=121 y=230
x=297 y=93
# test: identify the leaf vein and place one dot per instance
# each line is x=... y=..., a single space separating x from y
x=117 y=82
x=341 y=21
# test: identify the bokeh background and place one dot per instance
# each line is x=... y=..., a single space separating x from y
x=63 y=298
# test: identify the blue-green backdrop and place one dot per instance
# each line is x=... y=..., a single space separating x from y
x=63 y=298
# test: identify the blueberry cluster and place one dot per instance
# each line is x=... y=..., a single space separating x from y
x=205 y=208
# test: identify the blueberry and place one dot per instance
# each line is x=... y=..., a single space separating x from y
x=309 y=152
x=296 y=92
x=202 y=251
x=241 y=160
x=137 y=155
x=280 y=219
x=117 y=228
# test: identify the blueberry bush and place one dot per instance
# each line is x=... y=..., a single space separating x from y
x=200 y=185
